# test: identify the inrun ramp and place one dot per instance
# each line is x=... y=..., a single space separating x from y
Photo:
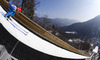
x=35 y=42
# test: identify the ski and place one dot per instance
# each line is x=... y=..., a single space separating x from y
x=17 y=27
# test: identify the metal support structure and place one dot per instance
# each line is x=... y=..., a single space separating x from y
x=14 y=47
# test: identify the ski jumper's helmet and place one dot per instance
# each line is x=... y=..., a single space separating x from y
x=18 y=10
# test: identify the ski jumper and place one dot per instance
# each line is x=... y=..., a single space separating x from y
x=12 y=9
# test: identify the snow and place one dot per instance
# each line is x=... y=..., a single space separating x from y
x=95 y=50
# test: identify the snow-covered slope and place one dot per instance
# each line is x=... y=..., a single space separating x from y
x=33 y=41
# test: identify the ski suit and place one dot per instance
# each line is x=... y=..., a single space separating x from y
x=12 y=9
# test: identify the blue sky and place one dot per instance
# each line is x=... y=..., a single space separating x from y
x=81 y=10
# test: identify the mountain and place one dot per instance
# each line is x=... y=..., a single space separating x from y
x=86 y=29
x=59 y=21
x=63 y=22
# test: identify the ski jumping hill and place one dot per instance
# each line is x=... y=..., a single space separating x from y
x=40 y=40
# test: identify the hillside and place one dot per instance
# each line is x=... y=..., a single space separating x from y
x=87 y=29
x=57 y=21
x=62 y=22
